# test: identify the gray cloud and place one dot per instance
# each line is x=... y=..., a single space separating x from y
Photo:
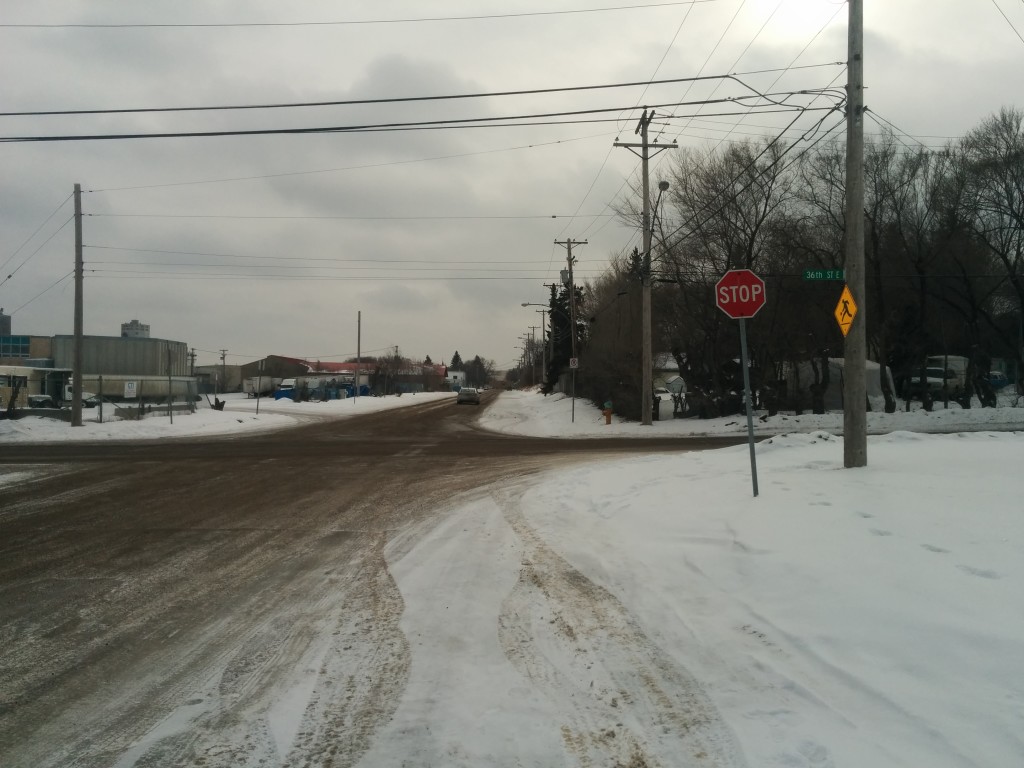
x=934 y=68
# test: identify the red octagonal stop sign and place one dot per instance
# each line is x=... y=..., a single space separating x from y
x=740 y=293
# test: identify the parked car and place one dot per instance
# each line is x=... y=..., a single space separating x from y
x=41 y=401
x=468 y=395
x=937 y=380
x=998 y=379
x=89 y=400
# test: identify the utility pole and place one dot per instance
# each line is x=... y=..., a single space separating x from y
x=567 y=280
x=533 y=353
x=223 y=370
x=647 y=383
x=543 y=346
x=259 y=386
x=525 y=359
x=855 y=441
x=192 y=362
x=170 y=397
x=359 y=351
x=76 y=388
x=551 y=330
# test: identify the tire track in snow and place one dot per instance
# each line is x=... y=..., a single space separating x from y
x=626 y=702
x=306 y=687
x=363 y=674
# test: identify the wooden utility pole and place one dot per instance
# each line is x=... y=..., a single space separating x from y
x=533 y=352
x=76 y=389
x=855 y=441
x=359 y=351
x=572 y=312
x=647 y=374
x=170 y=396
x=223 y=370
x=543 y=346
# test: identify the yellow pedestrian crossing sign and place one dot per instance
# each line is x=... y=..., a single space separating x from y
x=846 y=310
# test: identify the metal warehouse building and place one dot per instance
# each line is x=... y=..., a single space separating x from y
x=126 y=356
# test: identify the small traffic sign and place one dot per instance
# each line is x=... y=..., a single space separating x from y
x=740 y=293
x=574 y=362
x=845 y=310
x=824 y=274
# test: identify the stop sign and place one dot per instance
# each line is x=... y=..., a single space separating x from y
x=740 y=293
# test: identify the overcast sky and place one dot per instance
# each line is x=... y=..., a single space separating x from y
x=271 y=244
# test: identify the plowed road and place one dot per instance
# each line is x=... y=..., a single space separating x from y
x=155 y=596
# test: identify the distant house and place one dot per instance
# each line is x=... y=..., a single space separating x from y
x=456 y=379
x=666 y=373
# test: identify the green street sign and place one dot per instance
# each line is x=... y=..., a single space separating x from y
x=824 y=274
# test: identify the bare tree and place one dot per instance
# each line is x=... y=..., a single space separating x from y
x=994 y=156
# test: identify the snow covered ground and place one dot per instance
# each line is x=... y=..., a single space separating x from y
x=603 y=614
x=517 y=412
x=239 y=415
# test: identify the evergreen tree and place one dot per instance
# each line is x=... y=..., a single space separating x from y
x=456 y=363
x=479 y=371
x=428 y=361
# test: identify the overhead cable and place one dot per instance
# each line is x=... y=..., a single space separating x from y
x=735 y=76
x=491 y=122
x=36 y=232
x=352 y=22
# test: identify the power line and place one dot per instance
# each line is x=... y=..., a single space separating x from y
x=1007 y=18
x=127 y=274
x=604 y=163
x=689 y=86
x=715 y=48
x=791 y=63
x=879 y=120
x=690 y=118
x=485 y=122
x=305 y=258
x=29 y=257
x=664 y=56
x=36 y=232
x=399 y=99
x=388 y=268
x=419 y=20
x=761 y=173
x=52 y=285
x=272 y=217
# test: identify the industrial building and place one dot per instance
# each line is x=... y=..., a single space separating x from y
x=33 y=365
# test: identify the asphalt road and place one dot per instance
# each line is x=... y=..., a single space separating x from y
x=152 y=594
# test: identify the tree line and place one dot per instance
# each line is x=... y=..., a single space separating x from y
x=944 y=257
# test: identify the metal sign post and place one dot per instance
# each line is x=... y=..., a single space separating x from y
x=741 y=294
x=574 y=363
x=747 y=398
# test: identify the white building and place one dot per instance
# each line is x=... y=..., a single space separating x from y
x=134 y=330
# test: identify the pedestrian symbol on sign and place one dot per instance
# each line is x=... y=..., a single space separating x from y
x=845 y=310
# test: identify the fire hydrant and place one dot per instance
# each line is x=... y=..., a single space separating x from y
x=607 y=412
